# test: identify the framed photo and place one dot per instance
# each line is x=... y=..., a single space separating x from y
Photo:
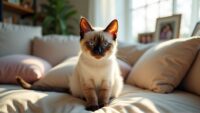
x=196 y=31
x=27 y=3
x=146 y=37
x=168 y=27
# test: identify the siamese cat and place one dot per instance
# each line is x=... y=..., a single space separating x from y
x=97 y=75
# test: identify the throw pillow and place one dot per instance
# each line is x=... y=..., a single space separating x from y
x=192 y=80
x=28 y=67
x=57 y=77
x=16 y=39
x=125 y=68
x=132 y=53
x=55 y=48
x=162 y=67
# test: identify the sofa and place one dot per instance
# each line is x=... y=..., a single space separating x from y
x=137 y=96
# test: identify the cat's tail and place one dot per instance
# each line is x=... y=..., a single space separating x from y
x=23 y=83
x=26 y=85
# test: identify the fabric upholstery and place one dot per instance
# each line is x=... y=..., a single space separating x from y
x=16 y=39
x=57 y=77
x=55 y=48
x=13 y=99
x=192 y=80
x=162 y=67
x=125 y=68
x=131 y=53
x=28 y=67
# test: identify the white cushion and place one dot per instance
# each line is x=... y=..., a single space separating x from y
x=16 y=39
x=131 y=100
x=162 y=67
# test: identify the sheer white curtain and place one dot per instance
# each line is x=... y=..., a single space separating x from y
x=102 y=12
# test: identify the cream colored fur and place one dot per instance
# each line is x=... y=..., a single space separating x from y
x=96 y=70
x=102 y=76
x=95 y=79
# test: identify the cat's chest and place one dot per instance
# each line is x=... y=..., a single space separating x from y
x=96 y=73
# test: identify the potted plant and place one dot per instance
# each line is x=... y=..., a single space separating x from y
x=56 y=15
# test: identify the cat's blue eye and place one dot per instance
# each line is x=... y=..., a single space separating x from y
x=91 y=43
x=105 y=44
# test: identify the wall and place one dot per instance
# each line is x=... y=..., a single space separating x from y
x=82 y=7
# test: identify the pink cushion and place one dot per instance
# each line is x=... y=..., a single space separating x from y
x=28 y=67
x=124 y=67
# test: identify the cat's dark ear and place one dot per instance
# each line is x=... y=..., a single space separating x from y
x=112 y=28
x=84 y=26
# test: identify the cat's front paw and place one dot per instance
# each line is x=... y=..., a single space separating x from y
x=92 y=107
x=102 y=105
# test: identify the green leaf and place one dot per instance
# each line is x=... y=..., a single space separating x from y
x=47 y=21
x=62 y=26
x=57 y=12
x=70 y=14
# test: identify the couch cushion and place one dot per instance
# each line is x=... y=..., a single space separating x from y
x=131 y=53
x=28 y=67
x=16 y=39
x=192 y=80
x=55 y=48
x=58 y=76
x=162 y=67
x=125 y=68
x=131 y=100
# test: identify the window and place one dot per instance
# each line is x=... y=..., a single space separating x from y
x=143 y=14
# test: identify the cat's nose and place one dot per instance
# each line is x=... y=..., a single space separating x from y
x=98 y=51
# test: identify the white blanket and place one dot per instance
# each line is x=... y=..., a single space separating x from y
x=13 y=99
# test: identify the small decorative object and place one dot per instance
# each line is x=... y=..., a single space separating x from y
x=196 y=31
x=167 y=27
x=14 y=1
x=8 y=19
x=146 y=37
x=27 y=3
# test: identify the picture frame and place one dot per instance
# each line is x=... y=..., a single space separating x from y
x=27 y=3
x=145 y=38
x=167 y=27
x=196 y=31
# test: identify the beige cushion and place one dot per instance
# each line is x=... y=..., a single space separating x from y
x=191 y=82
x=132 y=53
x=124 y=67
x=163 y=67
x=28 y=67
x=58 y=76
x=56 y=48
x=16 y=39
x=13 y=99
